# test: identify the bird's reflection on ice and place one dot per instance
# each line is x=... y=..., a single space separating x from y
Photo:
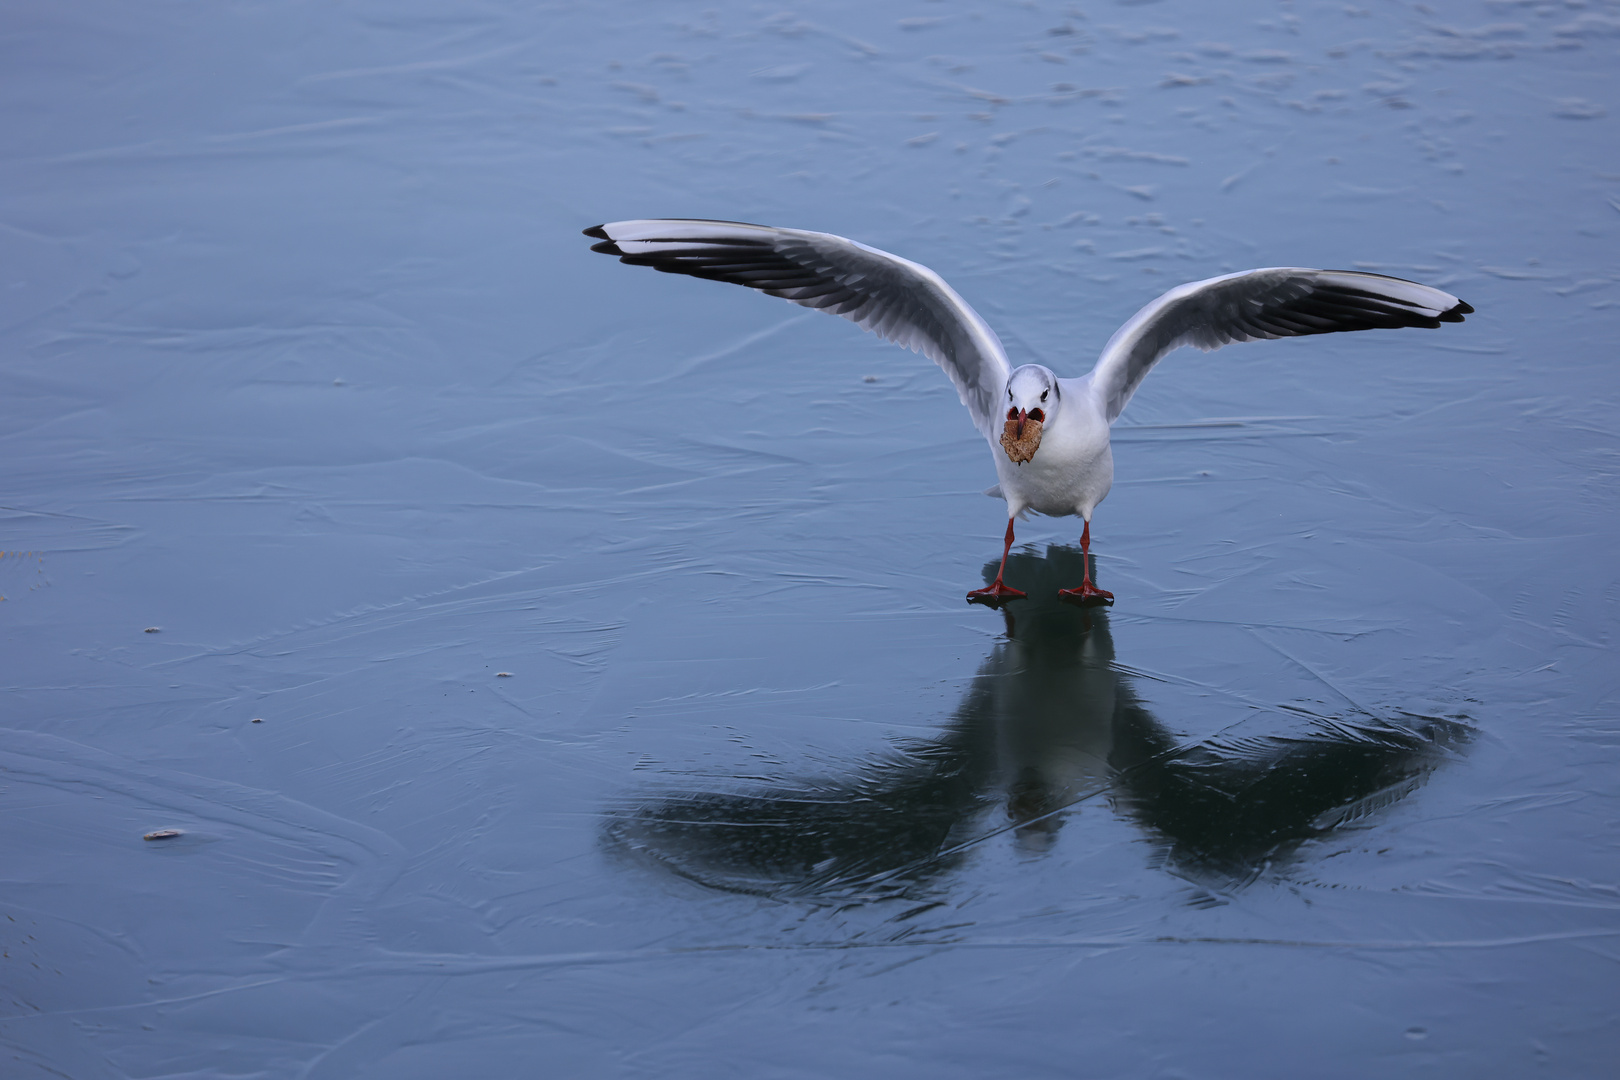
x=1048 y=725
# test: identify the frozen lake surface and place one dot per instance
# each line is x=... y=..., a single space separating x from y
x=560 y=669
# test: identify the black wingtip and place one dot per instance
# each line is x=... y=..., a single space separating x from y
x=1456 y=314
x=596 y=232
x=607 y=247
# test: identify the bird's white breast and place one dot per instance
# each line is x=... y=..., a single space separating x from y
x=1073 y=468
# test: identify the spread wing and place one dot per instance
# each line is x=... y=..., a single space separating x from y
x=1272 y=303
x=890 y=296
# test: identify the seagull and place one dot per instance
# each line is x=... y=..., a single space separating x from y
x=1048 y=436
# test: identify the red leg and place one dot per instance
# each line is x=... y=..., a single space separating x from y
x=998 y=593
x=1087 y=594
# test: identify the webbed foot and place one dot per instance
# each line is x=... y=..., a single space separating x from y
x=995 y=595
x=1087 y=595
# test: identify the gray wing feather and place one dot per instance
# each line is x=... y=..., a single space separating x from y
x=1277 y=302
x=898 y=300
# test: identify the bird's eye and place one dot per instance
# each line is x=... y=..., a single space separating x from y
x=1012 y=414
x=1037 y=416
x=1044 y=393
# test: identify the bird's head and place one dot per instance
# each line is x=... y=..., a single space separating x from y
x=1032 y=400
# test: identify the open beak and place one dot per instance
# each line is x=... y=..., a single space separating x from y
x=1021 y=436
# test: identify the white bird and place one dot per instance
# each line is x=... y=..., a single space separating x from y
x=1048 y=436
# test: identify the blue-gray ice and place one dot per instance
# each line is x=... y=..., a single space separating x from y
x=620 y=714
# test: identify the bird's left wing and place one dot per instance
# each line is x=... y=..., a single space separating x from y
x=1280 y=301
x=892 y=297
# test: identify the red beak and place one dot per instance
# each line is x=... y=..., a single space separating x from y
x=1022 y=416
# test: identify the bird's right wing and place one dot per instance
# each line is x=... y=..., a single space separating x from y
x=1286 y=301
x=896 y=299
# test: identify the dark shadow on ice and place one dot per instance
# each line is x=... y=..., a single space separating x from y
x=1048 y=723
